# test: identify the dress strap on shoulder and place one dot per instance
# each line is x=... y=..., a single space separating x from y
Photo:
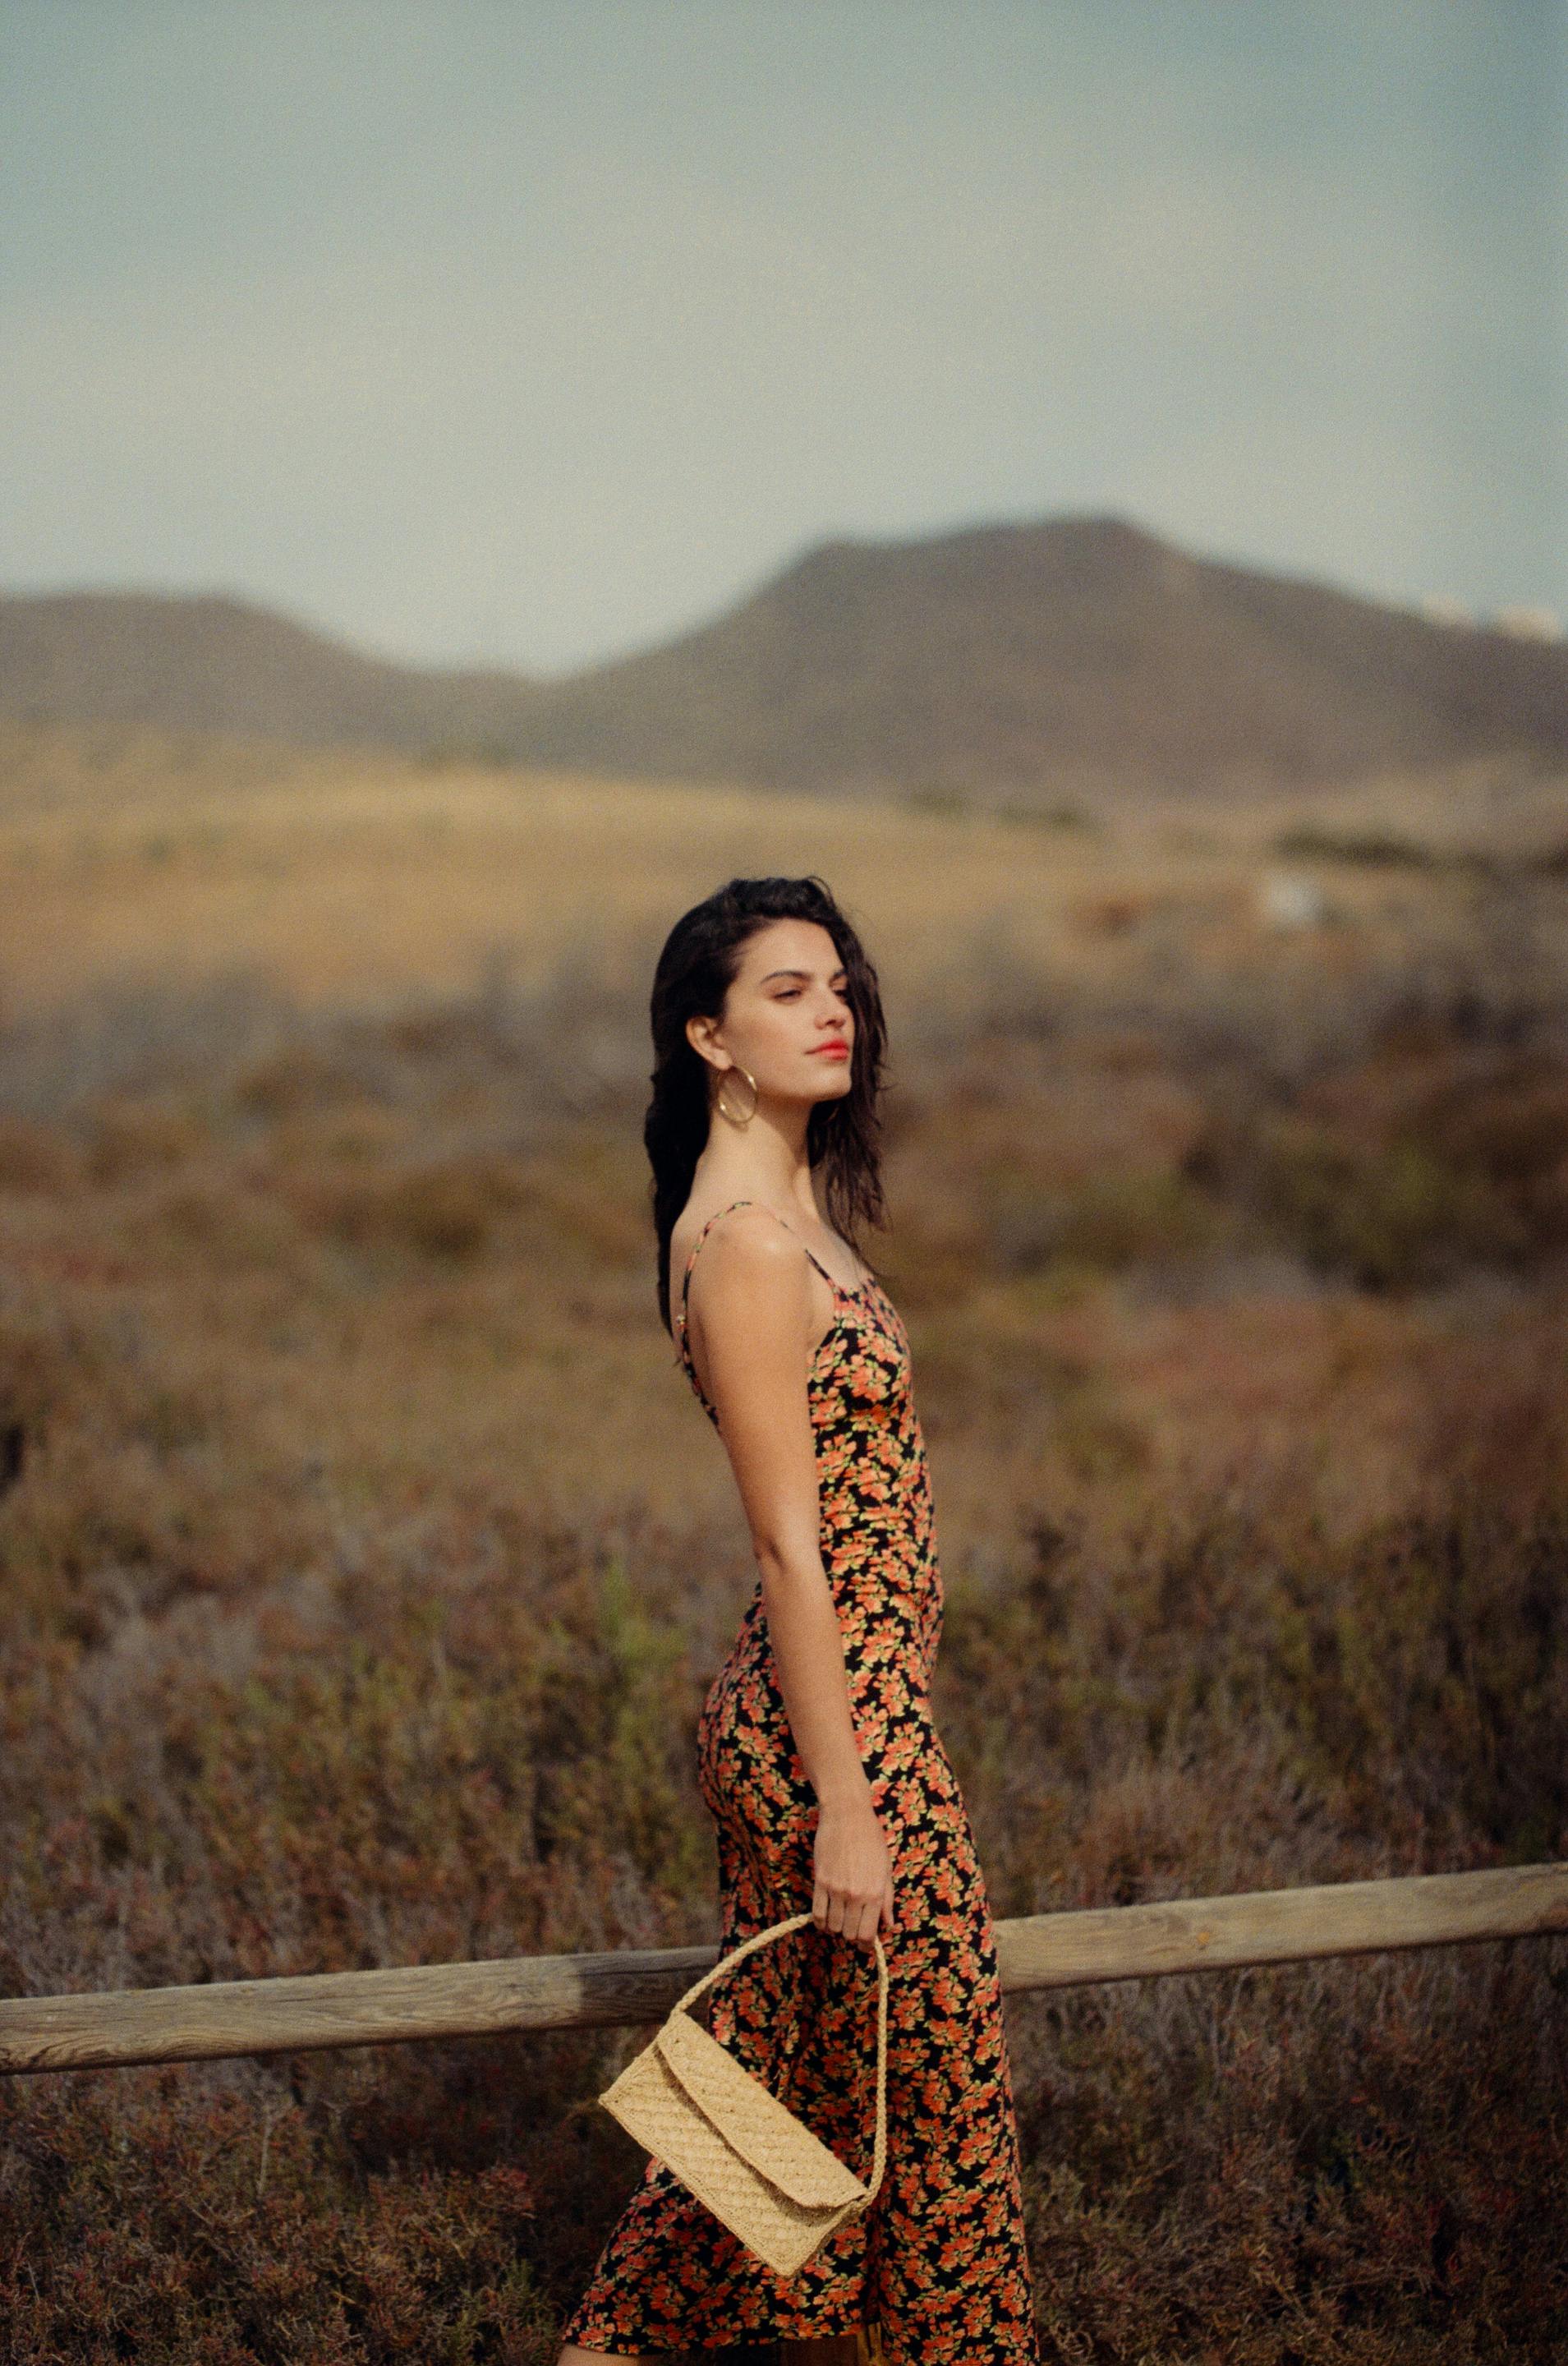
x=712 y=1220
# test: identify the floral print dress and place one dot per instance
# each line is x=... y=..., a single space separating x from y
x=937 y=2264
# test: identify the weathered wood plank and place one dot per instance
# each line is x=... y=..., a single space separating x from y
x=1279 y=1926
x=331 y=2008
x=1066 y=1949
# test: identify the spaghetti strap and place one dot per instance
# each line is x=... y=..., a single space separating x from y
x=683 y=1343
x=685 y=1280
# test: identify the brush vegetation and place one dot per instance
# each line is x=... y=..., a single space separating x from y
x=366 y=1557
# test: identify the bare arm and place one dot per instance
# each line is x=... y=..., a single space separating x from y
x=751 y=1292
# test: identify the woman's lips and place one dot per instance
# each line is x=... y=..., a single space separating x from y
x=831 y=1051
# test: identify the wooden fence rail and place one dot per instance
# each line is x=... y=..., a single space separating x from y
x=1037 y=1950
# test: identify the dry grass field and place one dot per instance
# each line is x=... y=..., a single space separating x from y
x=354 y=877
x=366 y=1556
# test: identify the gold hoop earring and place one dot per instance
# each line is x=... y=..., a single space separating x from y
x=720 y=1104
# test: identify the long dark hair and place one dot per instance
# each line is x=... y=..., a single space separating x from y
x=699 y=959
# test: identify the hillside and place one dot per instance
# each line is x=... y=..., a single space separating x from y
x=1079 y=656
x=213 y=663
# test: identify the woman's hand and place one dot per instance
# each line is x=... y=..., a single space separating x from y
x=854 y=1871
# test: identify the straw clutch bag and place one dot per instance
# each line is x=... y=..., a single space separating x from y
x=736 y=2147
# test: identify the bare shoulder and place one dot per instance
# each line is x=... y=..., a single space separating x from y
x=747 y=1306
x=749 y=1253
x=746 y=1239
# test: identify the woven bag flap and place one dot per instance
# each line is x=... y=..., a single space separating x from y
x=761 y=2128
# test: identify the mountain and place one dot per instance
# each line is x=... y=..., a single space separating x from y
x=1010 y=656
x=1079 y=653
x=211 y=663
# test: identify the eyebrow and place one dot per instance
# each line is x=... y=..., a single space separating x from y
x=840 y=971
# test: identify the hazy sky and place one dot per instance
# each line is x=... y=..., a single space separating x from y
x=534 y=330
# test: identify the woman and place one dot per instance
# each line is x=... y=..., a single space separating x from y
x=815 y=1750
